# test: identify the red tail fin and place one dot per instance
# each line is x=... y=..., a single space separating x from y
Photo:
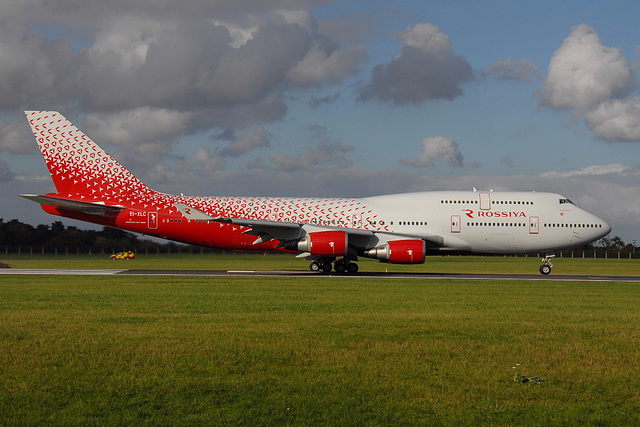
x=76 y=163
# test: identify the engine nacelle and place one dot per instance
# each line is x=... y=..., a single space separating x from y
x=332 y=243
x=399 y=252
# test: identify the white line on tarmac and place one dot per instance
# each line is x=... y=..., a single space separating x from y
x=57 y=272
x=251 y=273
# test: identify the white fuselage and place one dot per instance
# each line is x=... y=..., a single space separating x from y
x=488 y=222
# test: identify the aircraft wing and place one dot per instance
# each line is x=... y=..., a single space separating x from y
x=265 y=230
x=268 y=230
x=90 y=208
x=195 y=214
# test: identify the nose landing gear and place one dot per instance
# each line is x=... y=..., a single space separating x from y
x=546 y=266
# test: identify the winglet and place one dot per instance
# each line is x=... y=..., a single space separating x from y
x=193 y=213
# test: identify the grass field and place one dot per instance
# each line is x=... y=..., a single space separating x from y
x=436 y=264
x=319 y=350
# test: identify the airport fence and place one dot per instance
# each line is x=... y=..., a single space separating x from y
x=598 y=253
x=78 y=250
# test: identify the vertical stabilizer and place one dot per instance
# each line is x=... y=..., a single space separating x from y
x=76 y=163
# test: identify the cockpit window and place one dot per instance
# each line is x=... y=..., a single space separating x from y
x=563 y=201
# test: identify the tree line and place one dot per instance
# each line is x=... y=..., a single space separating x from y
x=15 y=234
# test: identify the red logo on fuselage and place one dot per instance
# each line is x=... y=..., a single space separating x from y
x=492 y=214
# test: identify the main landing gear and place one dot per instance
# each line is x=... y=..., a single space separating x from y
x=545 y=268
x=340 y=266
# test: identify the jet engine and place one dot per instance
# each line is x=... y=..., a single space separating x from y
x=321 y=243
x=399 y=252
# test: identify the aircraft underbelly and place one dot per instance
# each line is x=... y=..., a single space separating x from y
x=502 y=241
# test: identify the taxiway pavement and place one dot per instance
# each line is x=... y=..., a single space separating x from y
x=309 y=274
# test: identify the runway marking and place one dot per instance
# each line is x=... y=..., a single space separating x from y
x=58 y=272
x=302 y=274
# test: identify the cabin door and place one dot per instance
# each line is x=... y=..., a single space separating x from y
x=455 y=223
x=152 y=220
x=485 y=201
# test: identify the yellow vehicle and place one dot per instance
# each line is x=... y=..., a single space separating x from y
x=123 y=255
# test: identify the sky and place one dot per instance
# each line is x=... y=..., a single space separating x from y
x=332 y=98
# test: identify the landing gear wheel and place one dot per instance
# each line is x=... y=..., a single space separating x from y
x=340 y=267
x=326 y=267
x=352 y=267
x=314 y=266
x=546 y=266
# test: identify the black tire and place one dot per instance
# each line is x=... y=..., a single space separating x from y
x=545 y=269
x=326 y=267
x=340 y=267
x=352 y=267
x=314 y=266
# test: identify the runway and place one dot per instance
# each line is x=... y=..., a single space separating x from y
x=310 y=274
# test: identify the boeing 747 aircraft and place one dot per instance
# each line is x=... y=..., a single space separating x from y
x=332 y=233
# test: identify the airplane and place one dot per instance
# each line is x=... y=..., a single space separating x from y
x=332 y=233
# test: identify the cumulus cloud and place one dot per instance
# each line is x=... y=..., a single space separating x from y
x=134 y=127
x=616 y=120
x=583 y=73
x=426 y=68
x=16 y=136
x=210 y=64
x=202 y=157
x=248 y=73
x=594 y=81
x=176 y=63
x=320 y=66
x=144 y=135
x=327 y=154
x=434 y=148
x=427 y=37
x=239 y=33
x=247 y=140
x=128 y=40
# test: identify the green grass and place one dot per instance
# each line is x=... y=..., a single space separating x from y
x=318 y=351
x=435 y=264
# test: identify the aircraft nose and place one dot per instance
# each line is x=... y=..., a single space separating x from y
x=606 y=228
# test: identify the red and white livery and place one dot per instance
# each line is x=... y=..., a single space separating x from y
x=331 y=232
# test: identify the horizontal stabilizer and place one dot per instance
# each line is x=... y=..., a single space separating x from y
x=90 y=208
